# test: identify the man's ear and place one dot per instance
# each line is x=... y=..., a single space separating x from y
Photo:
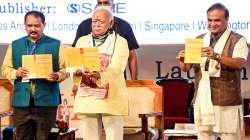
x=111 y=26
x=111 y=23
x=44 y=24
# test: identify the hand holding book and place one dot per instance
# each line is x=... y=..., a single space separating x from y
x=21 y=72
x=180 y=56
x=90 y=85
x=88 y=78
x=54 y=76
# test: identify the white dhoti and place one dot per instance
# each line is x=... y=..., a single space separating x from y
x=92 y=127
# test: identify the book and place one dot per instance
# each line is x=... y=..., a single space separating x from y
x=43 y=63
x=82 y=58
x=193 y=51
x=38 y=65
x=28 y=62
x=73 y=59
x=97 y=92
x=92 y=59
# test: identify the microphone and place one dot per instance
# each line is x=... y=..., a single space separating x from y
x=207 y=64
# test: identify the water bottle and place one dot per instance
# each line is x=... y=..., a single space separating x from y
x=65 y=111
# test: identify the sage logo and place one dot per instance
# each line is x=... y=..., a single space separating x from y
x=73 y=8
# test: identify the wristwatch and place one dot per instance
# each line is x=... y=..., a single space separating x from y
x=217 y=57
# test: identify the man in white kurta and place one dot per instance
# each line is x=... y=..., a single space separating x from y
x=114 y=53
x=218 y=104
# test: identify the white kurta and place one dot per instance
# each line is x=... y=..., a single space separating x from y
x=226 y=119
x=117 y=101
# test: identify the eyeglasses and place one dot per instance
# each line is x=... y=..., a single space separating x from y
x=103 y=3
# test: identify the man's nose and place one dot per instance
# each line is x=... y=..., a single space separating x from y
x=213 y=23
x=98 y=23
x=33 y=28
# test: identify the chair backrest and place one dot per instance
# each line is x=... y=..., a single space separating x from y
x=178 y=95
x=5 y=101
x=144 y=97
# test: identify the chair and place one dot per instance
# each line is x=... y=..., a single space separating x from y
x=5 y=102
x=145 y=100
x=145 y=103
x=178 y=95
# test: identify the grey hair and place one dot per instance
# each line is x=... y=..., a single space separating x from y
x=107 y=9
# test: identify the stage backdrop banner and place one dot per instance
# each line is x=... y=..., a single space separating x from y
x=157 y=22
